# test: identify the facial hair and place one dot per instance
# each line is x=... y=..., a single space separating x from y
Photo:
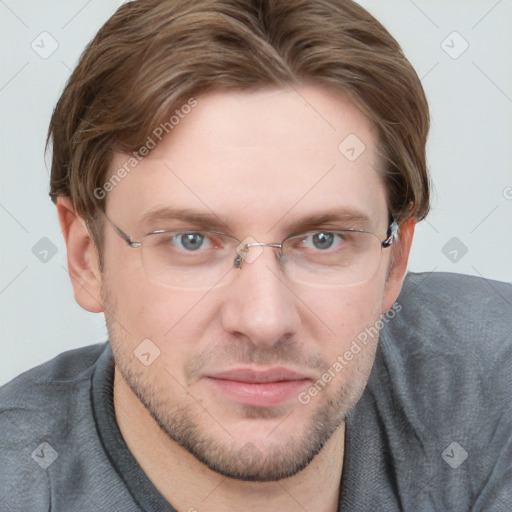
x=193 y=427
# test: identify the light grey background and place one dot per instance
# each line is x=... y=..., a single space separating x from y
x=470 y=154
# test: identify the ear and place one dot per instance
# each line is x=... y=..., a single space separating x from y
x=83 y=261
x=399 y=258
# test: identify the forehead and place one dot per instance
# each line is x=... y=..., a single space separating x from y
x=261 y=157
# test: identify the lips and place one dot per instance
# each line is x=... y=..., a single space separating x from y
x=261 y=377
x=265 y=388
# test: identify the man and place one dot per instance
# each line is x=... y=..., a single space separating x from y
x=238 y=185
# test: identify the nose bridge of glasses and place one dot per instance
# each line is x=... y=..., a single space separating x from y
x=263 y=244
x=242 y=251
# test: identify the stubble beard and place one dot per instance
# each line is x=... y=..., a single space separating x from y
x=194 y=428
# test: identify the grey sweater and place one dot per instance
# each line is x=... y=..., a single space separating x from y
x=432 y=431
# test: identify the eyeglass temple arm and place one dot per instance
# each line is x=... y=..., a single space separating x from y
x=122 y=234
x=392 y=234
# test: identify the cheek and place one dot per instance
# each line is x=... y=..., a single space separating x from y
x=174 y=320
x=344 y=315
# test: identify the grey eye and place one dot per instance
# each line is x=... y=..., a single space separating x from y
x=323 y=240
x=191 y=241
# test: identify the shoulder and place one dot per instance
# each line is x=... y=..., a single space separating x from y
x=440 y=289
x=452 y=333
x=443 y=376
x=35 y=388
x=39 y=411
x=455 y=316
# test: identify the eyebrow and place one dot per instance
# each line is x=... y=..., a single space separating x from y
x=340 y=218
x=205 y=220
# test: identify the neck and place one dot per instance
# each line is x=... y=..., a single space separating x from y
x=189 y=485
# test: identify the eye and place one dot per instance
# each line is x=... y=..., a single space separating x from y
x=190 y=241
x=323 y=241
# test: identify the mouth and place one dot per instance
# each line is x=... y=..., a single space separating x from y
x=266 y=388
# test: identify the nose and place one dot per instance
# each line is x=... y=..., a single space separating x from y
x=259 y=304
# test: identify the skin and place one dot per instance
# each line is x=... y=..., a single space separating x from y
x=259 y=161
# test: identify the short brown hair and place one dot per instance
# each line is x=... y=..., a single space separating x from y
x=152 y=56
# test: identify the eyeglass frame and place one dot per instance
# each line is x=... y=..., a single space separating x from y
x=239 y=259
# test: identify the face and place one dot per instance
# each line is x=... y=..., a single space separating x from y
x=232 y=361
